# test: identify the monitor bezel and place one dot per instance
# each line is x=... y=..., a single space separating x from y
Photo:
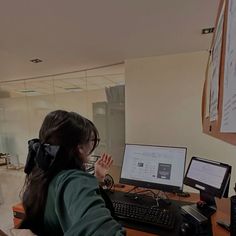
x=209 y=189
x=150 y=185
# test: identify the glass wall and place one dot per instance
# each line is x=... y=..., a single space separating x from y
x=96 y=94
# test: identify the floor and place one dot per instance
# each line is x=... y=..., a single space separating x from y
x=11 y=183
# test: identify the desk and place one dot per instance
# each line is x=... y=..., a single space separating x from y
x=223 y=213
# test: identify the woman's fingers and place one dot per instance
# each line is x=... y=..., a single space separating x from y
x=103 y=157
x=110 y=163
x=106 y=160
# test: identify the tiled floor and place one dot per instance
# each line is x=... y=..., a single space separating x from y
x=11 y=183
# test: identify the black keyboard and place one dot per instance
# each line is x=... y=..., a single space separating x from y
x=141 y=214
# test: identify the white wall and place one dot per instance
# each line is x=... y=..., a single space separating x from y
x=163 y=106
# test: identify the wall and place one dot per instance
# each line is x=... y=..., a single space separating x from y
x=163 y=106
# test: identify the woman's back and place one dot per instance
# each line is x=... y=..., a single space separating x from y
x=75 y=207
x=59 y=197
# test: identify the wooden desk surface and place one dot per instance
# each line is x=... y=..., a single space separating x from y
x=222 y=213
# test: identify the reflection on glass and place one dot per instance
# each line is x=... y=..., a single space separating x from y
x=97 y=94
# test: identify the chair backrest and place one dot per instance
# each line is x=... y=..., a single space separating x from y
x=2 y=233
x=21 y=232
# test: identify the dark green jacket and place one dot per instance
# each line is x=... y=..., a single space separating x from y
x=75 y=207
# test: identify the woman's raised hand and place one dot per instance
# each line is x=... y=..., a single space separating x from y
x=102 y=166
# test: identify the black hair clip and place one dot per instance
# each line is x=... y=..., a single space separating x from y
x=41 y=155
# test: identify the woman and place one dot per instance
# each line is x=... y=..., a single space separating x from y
x=59 y=197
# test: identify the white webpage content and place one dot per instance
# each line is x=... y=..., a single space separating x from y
x=207 y=173
x=161 y=165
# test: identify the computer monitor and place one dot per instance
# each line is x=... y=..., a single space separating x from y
x=156 y=167
x=211 y=178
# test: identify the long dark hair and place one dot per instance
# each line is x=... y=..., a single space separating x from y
x=65 y=130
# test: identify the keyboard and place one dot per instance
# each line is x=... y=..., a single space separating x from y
x=141 y=214
x=206 y=210
x=191 y=210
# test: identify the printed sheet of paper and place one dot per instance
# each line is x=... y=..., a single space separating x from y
x=228 y=123
x=215 y=64
x=208 y=82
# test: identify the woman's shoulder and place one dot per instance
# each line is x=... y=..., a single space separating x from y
x=66 y=177
x=73 y=173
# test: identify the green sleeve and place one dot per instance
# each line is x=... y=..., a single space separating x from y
x=80 y=208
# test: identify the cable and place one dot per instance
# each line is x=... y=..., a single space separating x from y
x=147 y=190
x=127 y=193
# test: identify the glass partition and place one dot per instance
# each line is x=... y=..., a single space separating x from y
x=97 y=94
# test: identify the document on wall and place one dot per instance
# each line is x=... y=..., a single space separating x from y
x=215 y=64
x=228 y=123
x=207 y=87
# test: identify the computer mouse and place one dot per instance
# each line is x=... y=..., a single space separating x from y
x=185 y=230
x=164 y=202
x=201 y=204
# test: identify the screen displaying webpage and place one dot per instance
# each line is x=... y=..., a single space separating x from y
x=207 y=173
x=155 y=164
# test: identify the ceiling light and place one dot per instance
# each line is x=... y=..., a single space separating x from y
x=36 y=60
x=208 y=30
x=29 y=92
x=73 y=89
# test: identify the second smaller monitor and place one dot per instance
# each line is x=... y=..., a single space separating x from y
x=211 y=178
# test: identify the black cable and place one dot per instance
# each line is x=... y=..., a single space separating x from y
x=147 y=190
x=127 y=193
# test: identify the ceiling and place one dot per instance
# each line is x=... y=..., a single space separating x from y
x=95 y=79
x=74 y=35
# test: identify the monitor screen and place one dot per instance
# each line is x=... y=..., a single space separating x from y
x=208 y=176
x=157 y=167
